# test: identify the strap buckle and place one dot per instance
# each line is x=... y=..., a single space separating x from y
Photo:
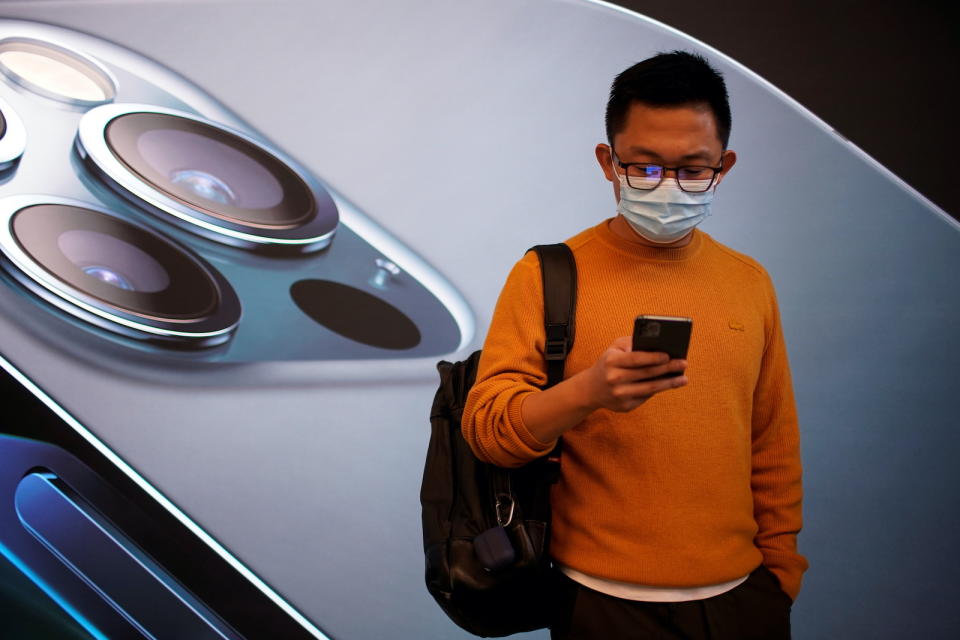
x=556 y=349
x=557 y=344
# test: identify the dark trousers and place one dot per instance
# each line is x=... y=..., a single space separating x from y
x=756 y=609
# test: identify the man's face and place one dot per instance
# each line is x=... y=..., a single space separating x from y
x=672 y=136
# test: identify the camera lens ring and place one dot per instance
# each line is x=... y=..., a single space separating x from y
x=13 y=136
x=33 y=251
x=134 y=149
x=28 y=62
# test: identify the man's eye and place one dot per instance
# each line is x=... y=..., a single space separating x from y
x=693 y=172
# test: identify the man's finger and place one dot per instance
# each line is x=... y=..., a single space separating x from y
x=634 y=359
x=645 y=373
x=651 y=387
x=627 y=375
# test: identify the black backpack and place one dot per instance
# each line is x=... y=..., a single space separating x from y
x=486 y=528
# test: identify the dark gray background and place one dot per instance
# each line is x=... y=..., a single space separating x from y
x=882 y=73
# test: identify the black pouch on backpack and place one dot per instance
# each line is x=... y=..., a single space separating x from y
x=485 y=528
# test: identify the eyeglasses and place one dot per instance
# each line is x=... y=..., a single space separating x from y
x=693 y=178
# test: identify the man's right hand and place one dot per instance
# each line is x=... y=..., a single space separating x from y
x=619 y=381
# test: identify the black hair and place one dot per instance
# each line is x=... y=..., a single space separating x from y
x=669 y=79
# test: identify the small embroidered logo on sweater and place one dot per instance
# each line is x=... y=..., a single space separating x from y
x=736 y=326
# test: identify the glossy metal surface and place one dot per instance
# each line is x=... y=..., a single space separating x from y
x=14 y=138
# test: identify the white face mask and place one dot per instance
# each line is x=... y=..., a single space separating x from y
x=665 y=214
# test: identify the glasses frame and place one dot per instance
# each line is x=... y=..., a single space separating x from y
x=663 y=173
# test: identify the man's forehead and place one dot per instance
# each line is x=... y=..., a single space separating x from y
x=638 y=151
x=649 y=127
x=694 y=115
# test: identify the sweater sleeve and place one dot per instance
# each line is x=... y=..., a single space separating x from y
x=776 y=469
x=511 y=368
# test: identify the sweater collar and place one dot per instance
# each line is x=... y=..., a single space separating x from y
x=645 y=252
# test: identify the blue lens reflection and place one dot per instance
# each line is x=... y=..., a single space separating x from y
x=109 y=276
x=205 y=185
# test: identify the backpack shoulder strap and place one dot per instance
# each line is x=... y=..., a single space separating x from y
x=559 y=271
x=559 y=302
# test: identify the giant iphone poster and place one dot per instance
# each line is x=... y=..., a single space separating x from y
x=236 y=237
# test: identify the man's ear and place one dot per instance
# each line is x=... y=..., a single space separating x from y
x=606 y=162
x=728 y=158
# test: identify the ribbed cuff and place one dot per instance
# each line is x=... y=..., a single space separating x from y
x=789 y=568
x=515 y=413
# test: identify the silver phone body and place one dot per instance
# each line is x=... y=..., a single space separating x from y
x=308 y=471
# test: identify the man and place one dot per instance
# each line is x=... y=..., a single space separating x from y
x=679 y=502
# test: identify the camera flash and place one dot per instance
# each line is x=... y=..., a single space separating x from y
x=55 y=72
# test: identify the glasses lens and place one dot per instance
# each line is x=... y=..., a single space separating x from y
x=116 y=262
x=644 y=176
x=695 y=178
x=211 y=170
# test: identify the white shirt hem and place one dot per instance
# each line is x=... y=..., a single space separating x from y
x=646 y=593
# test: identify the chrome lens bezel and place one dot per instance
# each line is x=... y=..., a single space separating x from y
x=94 y=149
x=14 y=139
x=213 y=329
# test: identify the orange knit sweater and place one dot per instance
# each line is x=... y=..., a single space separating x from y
x=700 y=484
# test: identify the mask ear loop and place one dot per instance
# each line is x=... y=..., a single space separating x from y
x=720 y=175
x=613 y=167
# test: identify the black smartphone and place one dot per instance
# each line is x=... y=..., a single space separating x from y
x=668 y=334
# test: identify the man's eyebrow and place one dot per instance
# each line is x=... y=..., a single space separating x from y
x=703 y=154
